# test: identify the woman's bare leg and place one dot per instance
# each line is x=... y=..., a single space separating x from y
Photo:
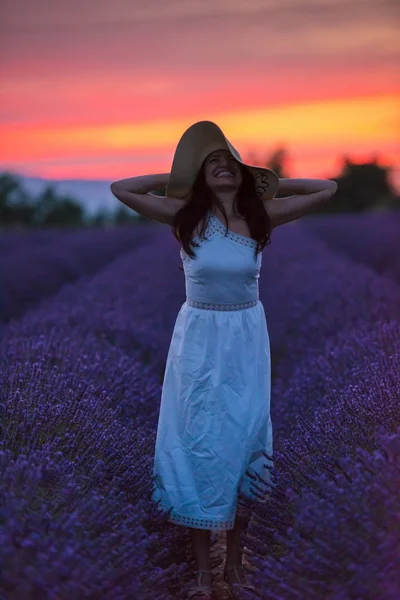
x=201 y=551
x=233 y=549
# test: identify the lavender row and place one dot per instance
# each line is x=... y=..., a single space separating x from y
x=370 y=238
x=335 y=533
x=79 y=403
x=335 y=333
x=35 y=265
x=318 y=304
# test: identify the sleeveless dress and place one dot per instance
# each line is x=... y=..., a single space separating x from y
x=214 y=421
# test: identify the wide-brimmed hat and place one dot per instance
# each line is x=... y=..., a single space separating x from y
x=195 y=145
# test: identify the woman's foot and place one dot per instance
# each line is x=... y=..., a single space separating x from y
x=201 y=588
x=235 y=574
x=236 y=577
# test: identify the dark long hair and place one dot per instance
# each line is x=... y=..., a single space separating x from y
x=247 y=204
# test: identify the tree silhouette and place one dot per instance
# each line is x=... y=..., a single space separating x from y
x=65 y=212
x=277 y=162
x=362 y=187
x=100 y=218
x=53 y=210
x=44 y=204
x=123 y=215
x=15 y=203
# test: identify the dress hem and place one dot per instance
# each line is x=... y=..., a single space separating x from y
x=204 y=523
x=201 y=523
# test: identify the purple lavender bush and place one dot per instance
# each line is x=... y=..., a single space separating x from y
x=342 y=539
x=132 y=302
x=36 y=264
x=73 y=391
x=73 y=487
x=314 y=299
x=369 y=238
x=335 y=338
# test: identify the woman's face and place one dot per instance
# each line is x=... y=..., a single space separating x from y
x=222 y=171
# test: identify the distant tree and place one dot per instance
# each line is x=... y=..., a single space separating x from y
x=15 y=203
x=18 y=208
x=9 y=186
x=44 y=204
x=66 y=212
x=57 y=211
x=123 y=215
x=100 y=218
x=277 y=162
x=361 y=187
x=21 y=214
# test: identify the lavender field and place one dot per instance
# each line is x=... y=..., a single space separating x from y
x=34 y=264
x=369 y=238
x=81 y=375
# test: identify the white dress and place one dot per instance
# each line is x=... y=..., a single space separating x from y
x=214 y=421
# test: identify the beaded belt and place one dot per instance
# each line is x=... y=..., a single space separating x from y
x=209 y=306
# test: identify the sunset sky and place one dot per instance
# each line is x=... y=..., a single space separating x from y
x=103 y=90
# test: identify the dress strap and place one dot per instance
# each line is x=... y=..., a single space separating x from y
x=218 y=226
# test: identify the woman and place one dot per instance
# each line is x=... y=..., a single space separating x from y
x=214 y=427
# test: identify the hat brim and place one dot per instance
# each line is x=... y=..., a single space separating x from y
x=197 y=142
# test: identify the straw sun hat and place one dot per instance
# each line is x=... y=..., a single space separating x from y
x=195 y=145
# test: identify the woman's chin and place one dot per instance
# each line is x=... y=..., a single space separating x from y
x=223 y=186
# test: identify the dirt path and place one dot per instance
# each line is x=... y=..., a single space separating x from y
x=221 y=588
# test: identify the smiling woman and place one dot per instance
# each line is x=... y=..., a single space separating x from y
x=214 y=429
x=214 y=418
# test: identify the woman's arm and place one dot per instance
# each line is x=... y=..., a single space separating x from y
x=135 y=192
x=288 y=186
x=307 y=194
x=143 y=183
